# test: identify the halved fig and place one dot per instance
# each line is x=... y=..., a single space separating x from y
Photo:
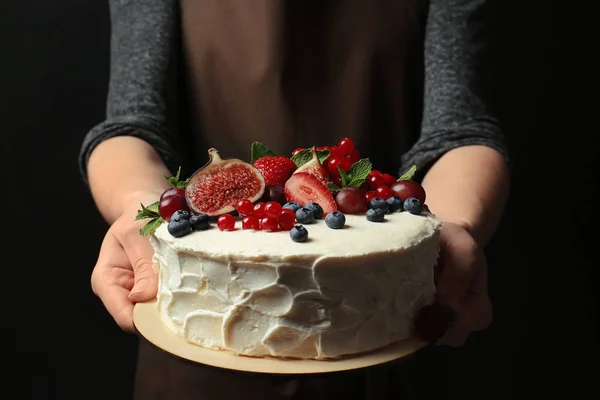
x=216 y=188
x=314 y=168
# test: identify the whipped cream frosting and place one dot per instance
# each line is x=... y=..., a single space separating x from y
x=260 y=294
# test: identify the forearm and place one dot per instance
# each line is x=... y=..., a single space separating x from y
x=122 y=170
x=469 y=185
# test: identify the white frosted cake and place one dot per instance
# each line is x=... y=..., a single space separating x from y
x=281 y=257
x=259 y=294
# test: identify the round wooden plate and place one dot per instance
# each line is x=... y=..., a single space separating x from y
x=148 y=324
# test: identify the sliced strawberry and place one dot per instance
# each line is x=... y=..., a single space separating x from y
x=275 y=169
x=304 y=188
x=315 y=168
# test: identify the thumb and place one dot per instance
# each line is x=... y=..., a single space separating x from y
x=145 y=284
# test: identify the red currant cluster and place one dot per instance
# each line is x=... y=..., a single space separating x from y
x=260 y=216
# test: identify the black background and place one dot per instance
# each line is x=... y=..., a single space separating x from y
x=53 y=80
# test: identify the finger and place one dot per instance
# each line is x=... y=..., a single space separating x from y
x=140 y=252
x=459 y=263
x=476 y=315
x=111 y=281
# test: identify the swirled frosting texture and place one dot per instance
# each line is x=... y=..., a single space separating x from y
x=261 y=294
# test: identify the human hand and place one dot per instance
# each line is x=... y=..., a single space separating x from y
x=461 y=282
x=123 y=274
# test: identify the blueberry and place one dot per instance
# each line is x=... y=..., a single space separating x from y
x=335 y=220
x=200 y=222
x=375 y=214
x=379 y=203
x=299 y=233
x=316 y=209
x=179 y=227
x=292 y=205
x=180 y=214
x=395 y=203
x=304 y=215
x=413 y=206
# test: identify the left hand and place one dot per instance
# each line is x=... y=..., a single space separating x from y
x=461 y=281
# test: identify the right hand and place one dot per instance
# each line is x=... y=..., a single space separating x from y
x=123 y=274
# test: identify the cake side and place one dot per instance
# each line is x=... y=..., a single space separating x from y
x=311 y=303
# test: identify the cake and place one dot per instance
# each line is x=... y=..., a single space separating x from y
x=321 y=285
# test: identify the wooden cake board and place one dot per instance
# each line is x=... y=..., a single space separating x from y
x=147 y=322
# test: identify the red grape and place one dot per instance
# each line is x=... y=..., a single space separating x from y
x=351 y=200
x=172 y=191
x=274 y=192
x=170 y=204
x=405 y=189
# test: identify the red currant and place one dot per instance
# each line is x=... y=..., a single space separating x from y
x=226 y=222
x=288 y=211
x=273 y=209
x=269 y=224
x=374 y=172
x=251 y=222
x=335 y=162
x=170 y=204
x=286 y=220
x=389 y=179
x=375 y=181
x=347 y=145
x=353 y=157
x=245 y=207
x=259 y=209
x=384 y=192
x=370 y=195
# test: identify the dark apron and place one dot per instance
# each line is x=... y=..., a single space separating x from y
x=290 y=74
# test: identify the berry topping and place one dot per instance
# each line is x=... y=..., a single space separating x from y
x=217 y=187
x=305 y=215
x=180 y=214
x=286 y=220
x=379 y=204
x=292 y=206
x=169 y=205
x=388 y=179
x=269 y=224
x=259 y=209
x=179 y=227
x=304 y=188
x=316 y=209
x=273 y=209
x=351 y=200
x=413 y=206
x=395 y=203
x=335 y=220
x=275 y=169
x=384 y=192
x=251 y=222
x=375 y=214
x=311 y=166
x=244 y=207
x=173 y=191
x=200 y=222
x=226 y=222
x=274 y=192
x=299 y=233
x=406 y=188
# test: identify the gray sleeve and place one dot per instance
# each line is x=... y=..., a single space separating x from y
x=143 y=40
x=459 y=82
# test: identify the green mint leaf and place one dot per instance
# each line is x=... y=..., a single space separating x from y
x=259 y=150
x=174 y=180
x=322 y=155
x=408 y=175
x=358 y=173
x=333 y=187
x=305 y=155
x=345 y=178
x=148 y=212
x=151 y=226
